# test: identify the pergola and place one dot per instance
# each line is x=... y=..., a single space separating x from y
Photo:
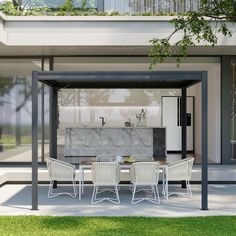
x=123 y=80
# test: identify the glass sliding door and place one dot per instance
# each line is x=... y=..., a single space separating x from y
x=16 y=109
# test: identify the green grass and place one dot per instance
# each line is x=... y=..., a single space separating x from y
x=89 y=226
x=9 y=141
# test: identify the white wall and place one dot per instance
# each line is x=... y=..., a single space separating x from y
x=214 y=106
x=95 y=31
x=214 y=114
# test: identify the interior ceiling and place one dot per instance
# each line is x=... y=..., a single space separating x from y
x=103 y=50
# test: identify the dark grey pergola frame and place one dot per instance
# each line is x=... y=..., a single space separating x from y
x=126 y=80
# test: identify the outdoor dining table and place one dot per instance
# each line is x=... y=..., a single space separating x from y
x=87 y=165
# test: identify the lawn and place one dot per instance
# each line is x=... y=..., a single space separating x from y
x=49 y=225
x=9 y=141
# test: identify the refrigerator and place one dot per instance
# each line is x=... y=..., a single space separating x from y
x=171 y=119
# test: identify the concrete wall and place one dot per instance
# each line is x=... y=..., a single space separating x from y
x=2 y=29
x=93 y=30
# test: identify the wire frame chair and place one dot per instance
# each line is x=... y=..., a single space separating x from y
x=105 y=174
x=105 y=158
x=145 y=174
x=61 y=171
x=178 y=171
x=142 y=157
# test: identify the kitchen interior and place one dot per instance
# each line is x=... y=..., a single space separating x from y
x=123 y=122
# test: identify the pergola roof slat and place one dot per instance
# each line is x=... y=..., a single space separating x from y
x=124 y=79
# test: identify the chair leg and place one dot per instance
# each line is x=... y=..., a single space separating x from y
x=154 y=192
x=157 y=193
x=133 y=195
x=131 y=188
x=50 y=189
x=163 y=188
x=74 y=188
x=117 y=195
x=163 y=185
x=83 y=181
x=95 y=200
x=94 y=189
x=51 y=194
x=166 y=189
x=189 y=188
x=96 y=192
x=94 y=196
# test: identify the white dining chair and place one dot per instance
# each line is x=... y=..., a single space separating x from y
x=178 y=171
x=143 y=174
x=61 y=171
x=105 y=175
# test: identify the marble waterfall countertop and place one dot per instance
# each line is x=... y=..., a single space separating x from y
x=123 y=141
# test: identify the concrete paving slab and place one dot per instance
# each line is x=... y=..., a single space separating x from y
x=16 y=200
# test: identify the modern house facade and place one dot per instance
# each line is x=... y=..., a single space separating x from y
x=111 y=43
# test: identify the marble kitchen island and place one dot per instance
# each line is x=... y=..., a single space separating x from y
x=90 y=142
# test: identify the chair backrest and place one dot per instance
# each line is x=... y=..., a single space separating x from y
x=105 y=173
x=144 y=173
x=60 y=170
x=105 y=158
x=143 y=157
x=180 y=170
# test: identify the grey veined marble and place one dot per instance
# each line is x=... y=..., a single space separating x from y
x=117 y=141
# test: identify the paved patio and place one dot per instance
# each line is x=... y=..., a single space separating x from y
x=16 y=200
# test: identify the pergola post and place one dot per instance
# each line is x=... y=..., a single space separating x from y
x=183 y=127
x=42 y=124
x=34 y=141
x=53 y=121
x=204 y=142
x=42 y=116
x=53 y=117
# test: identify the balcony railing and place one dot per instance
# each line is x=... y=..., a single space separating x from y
x=134 y=7
x=129 y=7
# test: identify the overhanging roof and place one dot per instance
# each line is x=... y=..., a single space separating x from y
x=124 y=79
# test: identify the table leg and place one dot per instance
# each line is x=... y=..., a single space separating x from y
x=80 y=183
x=83 y=181
x=163 y=182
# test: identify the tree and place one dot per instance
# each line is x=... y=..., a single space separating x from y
x=213 y=16
x=15 y=92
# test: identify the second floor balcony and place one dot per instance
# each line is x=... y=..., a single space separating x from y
x=127 y=7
